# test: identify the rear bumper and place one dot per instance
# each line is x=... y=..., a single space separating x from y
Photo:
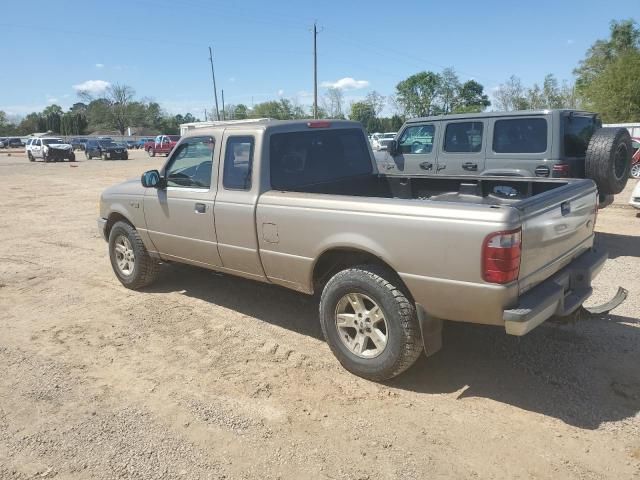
x=559 y=295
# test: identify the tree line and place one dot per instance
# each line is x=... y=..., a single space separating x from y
x=607 y=81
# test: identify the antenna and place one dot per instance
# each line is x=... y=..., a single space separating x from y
x=215 y=91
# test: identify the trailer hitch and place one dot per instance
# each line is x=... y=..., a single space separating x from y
x=583 y=313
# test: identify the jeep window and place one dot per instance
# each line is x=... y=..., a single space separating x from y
x=463 y=137
x=417 y=139
x=312 y=157
x=238 y=161
x=520 y=135
x=191 y=164
x=577 y=130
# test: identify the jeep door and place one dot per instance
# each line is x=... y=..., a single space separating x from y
x=180 y=216
x=416 y=152
x=462 y=148
x=520 y=145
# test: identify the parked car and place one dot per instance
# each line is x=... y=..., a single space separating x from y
x=3 y=141
x=540 y=143
x=381 y=142
x=131 y=144
x=161 y=145
x=143 y=141
x=634 y=201
x=635 y=159
x=105 y=149
x=12 y=142
x=301 y=204
x=78 y=143
x=49 y=149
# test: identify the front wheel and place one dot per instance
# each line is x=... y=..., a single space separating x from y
x=369 y=323
x=130 y=259
x=151 y=152
x=105 y=157
x=31 y=159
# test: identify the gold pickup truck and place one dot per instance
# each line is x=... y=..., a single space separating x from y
x=301 y=204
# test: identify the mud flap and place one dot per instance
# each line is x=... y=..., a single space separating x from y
x=584 y=313
x=431 y=329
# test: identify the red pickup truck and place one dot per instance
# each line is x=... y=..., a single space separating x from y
x=162 y=144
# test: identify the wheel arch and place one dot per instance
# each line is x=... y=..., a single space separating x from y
x=116 y=216
x=337 y=258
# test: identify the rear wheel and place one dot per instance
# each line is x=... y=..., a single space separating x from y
x=608 y=159
x=635 y=170
x=129 y=257
x=151 y=152
x=105 y=157
x=369 y=323
x=31 y=159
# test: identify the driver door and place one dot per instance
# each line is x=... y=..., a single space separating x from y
x=180 y=217
x=416 y=153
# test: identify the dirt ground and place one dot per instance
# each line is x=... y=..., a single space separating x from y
x=210 y=376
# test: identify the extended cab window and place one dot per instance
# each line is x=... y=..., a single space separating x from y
x=238 y=161
x=520 y=135
x=463 y=137
x=317 y=156
x=191 y=164
x=417 y=139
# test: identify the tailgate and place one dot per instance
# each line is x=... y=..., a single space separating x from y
x=557 y=226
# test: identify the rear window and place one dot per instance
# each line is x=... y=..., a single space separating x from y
x=520 y=135
x=577 y=133
x=307 y=158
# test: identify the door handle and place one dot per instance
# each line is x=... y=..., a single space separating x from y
x=426 y=166
x=201 y=208
x=470 y=166
x=441 y=167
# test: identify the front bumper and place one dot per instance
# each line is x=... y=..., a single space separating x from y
x=102 y=228
x=560 y=295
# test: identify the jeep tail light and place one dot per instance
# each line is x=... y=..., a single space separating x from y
x=501 y=256
x=561 y=170
x=319 y=124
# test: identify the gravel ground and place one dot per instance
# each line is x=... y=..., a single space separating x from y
x=209 y=376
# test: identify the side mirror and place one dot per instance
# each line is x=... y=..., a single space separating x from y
x=150 y=179
x=392 y=148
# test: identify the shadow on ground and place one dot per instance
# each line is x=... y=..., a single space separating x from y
x=619 y=245
x=583 y=374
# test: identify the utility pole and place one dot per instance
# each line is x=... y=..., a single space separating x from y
x=215 y=91
x=223 y=114
x=315 y=71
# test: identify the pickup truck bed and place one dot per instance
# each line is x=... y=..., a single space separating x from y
x=301 y=204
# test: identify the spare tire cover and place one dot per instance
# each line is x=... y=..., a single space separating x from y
x=608 y=159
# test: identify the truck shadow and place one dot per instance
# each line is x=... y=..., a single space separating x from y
x=619 y=245
x=584 y=374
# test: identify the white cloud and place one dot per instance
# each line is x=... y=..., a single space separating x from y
x=346 y=83
x=99 y=65
x=280 y=92
x=52 y=100
x=92 y=86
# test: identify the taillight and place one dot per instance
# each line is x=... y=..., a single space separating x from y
x=319 y=124
x=501 y=256
x=561 y=170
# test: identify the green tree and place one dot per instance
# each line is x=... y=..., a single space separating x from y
x=448 y=91
x=511 y=95
x=364 y=113
x=470 y=98
x=418 y=93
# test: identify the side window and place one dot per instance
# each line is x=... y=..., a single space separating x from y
x=417 y=139
x=191 y=164
x=520 y=135
x=157 y=140
x=463 y=137
x=38 y=143
x=238 y=161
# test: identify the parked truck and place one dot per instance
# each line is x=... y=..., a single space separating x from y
x=301 y=204
x=161 y=145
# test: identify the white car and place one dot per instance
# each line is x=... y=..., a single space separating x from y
x=381 y=142
x=49 y=149
x=634 y=201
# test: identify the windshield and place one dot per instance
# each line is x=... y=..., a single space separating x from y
x=51 y=141
x=107 y=144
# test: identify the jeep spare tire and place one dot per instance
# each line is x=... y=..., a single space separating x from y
x=608 y=159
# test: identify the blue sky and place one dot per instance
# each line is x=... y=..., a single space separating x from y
x=263 y=49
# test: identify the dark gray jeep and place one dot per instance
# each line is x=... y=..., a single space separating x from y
x=530 y=143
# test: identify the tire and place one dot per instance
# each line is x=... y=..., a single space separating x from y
x=72 y=157
x=145 y=269
x=151 y=152
x=86 y=155
x=104 y=157
x=374 y=286
x=635 y=170
x=31 y=159
x=608 y=159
